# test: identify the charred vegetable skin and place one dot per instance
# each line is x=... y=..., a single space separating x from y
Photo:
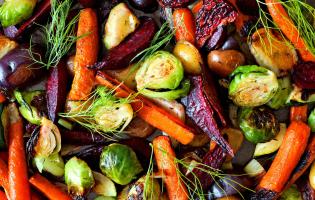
x=121 y=55
x=259 y=124
x=174 y=3
x=213 y=13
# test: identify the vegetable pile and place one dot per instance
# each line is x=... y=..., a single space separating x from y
x=157 y=99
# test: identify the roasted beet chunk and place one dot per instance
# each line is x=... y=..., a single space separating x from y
x=304 y=75
x=174 y=3
x=213 y=13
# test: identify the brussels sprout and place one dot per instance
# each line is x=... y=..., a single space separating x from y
x=301 y=95
x=282 y=94
x=311 y=120
x=259 y=124
x=52 y=164
x=120 y=163
x=252 y=85
x=78 y=176
x=13 y=12
x=161 y=71
x=292 y=193
x=103 y=185
x=144 y=188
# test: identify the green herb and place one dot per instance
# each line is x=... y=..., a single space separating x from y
x=59 y=34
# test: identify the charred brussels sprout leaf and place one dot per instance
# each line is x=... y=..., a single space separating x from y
x=280 y=98
x=120 y=163
x=259 y=124
x=52 y=164
x=13 y=12
x=252 y=85
x=160 y=76
x=78 y=176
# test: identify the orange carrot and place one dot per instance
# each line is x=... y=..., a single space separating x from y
x=184 y=23
x=4 y=176
x=288 y=28
x=2 y=98
x=149 y=112
x=48 y=189
x=195 y=9
x=86 y=55
x=298 y=113
x=165 y=159
x=19 y=188
x=288 y=156
x=2 y=195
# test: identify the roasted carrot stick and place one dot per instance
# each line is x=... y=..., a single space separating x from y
x=4 y=179
x=165 y=159
x=195 y=9
x=149 y=112
x=86 y=55
x=19 y=188
x=288 y=28
x=48 y=189
x=288 y=156
x=2 y=98
x=184 y=23
x=298 y=113
x=2 y=195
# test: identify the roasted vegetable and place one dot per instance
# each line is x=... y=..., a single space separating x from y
x=120 y=163
x=174 y=3
x=52 y=164
x=304 y=75
x=6 y=45
x=162 y=71
x=272 y=51
x=2 y=137
x=13 y=12
x=189 y=56
x=78 y=177
x=291 y=193
x=254 y=169
x=103 y=185
x=121 y=55
x=121 y=22
x=223 y=62
x=144 y=5
x=258 y=124
x=252 y=85
x=311 y=120
x=213 y=14
x=281 y=97
x=312 y=176
x=271 y=146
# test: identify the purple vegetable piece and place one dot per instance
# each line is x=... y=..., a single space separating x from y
x=56 y=89
x=82 y=137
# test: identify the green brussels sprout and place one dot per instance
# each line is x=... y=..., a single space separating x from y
x=259 y=124
x=52 y=164
x=120 y=163
x=311 y=120
x=299 y=95
x=252 y=85
x=160 y=75
x=78 y=176
x=13 y=12
x=103 y=185
x=280 y=98
x=292 y=193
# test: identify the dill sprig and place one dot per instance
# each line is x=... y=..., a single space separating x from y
x=85 y=113
x=300 y=12
x=58 y=35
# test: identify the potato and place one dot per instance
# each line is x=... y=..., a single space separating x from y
x=189 y=55
x=126 y=75
x=6 y=45
x=223 y=62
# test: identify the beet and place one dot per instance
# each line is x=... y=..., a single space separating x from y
x=304 y=75
x=175 y=3
x=56 y=90
x=18 y=69
x=82 y=137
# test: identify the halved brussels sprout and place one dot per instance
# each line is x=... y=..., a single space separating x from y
x=120 y=163
x=300 y=95
x=292 y=193
x=13 y=12
x=121 y=22
x=311 y=120
x=78 y=176
x=52 y=164
x=161 y=71
x=259 y=124
x=252 y=85
x=103 y=185
x=280 y=98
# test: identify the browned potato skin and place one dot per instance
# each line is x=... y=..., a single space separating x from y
x=223 y=62
x=70 y=65
x=124 y=75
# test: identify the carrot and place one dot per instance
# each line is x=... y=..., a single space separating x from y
x=2 y=98
x=164 y=156
x=195 y=9
x=2 y=195
x=48 y=189
x=4 y=176
x=286 y=25
x=288 y=156
x=184 y=23
x=19 y=187
x=86 y=55
x=4 y=156
x=298 y=113
x=149 y=112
